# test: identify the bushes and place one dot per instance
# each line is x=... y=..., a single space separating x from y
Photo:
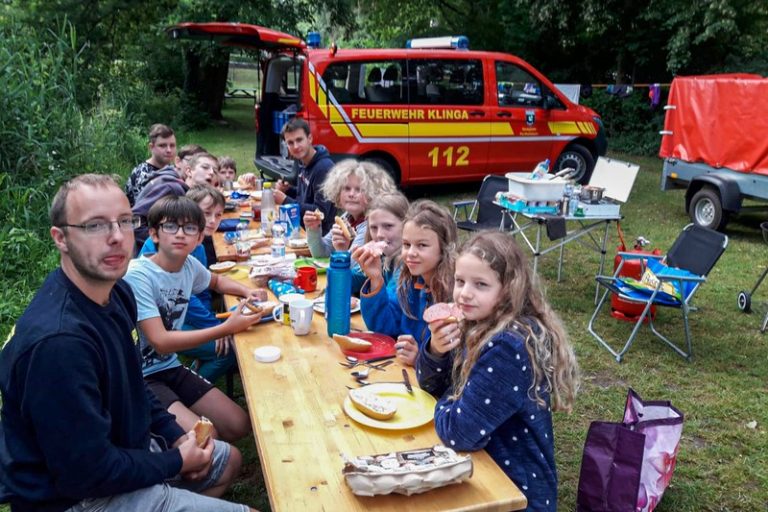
x=631 y=125
x=45 y=139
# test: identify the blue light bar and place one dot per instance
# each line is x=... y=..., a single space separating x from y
x=444 y=42
x=313 y=39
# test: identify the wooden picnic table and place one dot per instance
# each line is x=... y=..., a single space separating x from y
x=301 y=430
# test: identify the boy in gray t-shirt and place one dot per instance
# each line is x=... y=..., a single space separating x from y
x=163 y=284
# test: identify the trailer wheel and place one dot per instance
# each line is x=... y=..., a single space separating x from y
x=744 y=301
x=579 y=158
x=706 y=210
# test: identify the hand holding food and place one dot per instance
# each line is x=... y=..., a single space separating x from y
x=346 y=228
x=313 y=219
x=443 y=311
x=203 y=431
x=372 y=405
x=247 y=180
x=350 y=343
x=244 y=316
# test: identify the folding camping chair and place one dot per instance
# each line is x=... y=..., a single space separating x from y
x=486 y=215
x=677 y=277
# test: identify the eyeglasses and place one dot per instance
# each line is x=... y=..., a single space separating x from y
x=172 y=228
x=102 y=227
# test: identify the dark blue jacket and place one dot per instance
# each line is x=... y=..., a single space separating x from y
x=307 y=193
x=76 y=417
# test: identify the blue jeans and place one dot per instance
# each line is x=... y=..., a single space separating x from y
x=211 y=365
x=176 y=495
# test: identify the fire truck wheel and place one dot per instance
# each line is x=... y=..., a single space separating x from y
x=387 y=166
x=576 y=157
x=706 y=210
x=744 y=301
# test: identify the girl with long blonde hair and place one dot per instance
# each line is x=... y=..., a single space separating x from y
x=500 y=370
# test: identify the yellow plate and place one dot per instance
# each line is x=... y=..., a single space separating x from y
x=412 y=410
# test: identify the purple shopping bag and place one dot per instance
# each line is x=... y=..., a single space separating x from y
x=627 y=466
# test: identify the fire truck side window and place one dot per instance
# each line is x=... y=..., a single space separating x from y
x=516 y=87
x=445 y=81
x=357 y=82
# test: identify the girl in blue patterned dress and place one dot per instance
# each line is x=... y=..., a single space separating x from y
x=499 y=371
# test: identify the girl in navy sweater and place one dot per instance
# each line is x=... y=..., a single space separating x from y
x=500 y=370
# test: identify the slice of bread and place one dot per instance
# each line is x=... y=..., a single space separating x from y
x=350 y=343
x=372 y=405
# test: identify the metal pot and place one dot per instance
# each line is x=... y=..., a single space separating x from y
x=590 y=194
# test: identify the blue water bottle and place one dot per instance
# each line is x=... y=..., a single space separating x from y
x=338 y=293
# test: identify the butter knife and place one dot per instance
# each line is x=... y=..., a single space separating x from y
x=407 y=382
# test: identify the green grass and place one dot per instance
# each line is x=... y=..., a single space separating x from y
x=722 y=464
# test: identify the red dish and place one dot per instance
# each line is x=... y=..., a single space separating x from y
x=381 y=345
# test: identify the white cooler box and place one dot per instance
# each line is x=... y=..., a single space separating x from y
x=521 y=185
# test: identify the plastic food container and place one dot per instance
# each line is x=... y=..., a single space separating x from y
x=522 y=186
x=406 y=472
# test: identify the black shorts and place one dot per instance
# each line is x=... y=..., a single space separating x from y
x=177 y=384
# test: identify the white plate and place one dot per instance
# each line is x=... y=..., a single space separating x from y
x=319 y=305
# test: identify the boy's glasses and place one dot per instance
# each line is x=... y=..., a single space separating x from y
x=172 y=228
x=102 y=227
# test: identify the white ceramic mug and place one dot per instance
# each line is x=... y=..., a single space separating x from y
x=282 y=312
x=301 y=316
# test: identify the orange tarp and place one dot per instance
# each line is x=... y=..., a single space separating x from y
x=719 y=120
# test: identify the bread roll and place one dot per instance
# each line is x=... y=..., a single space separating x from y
x=350 y=343
x=203 y=431
x=372 y=405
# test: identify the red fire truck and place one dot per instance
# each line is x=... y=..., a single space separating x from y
x=432 y=113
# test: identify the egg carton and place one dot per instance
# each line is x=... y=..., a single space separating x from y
x=406 y=472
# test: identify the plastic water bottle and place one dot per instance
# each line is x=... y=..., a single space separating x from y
x=268 y=212
x=338 y=293
x=278 y=240
x=541 y=170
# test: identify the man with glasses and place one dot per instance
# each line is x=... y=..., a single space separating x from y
x=163 y=283
x=79 y=429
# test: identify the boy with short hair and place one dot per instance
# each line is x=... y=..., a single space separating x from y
x=163 y=284
x=215 y=357
x=162 y=147
x=227 y=168
x=185 y=155
x=202 y=169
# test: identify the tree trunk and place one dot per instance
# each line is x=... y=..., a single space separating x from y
x=206 y=81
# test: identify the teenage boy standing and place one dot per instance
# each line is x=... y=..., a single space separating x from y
x=79 y=429
x=162 y=147
x=314 y=164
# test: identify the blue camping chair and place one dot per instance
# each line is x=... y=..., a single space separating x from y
x=678 y=276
